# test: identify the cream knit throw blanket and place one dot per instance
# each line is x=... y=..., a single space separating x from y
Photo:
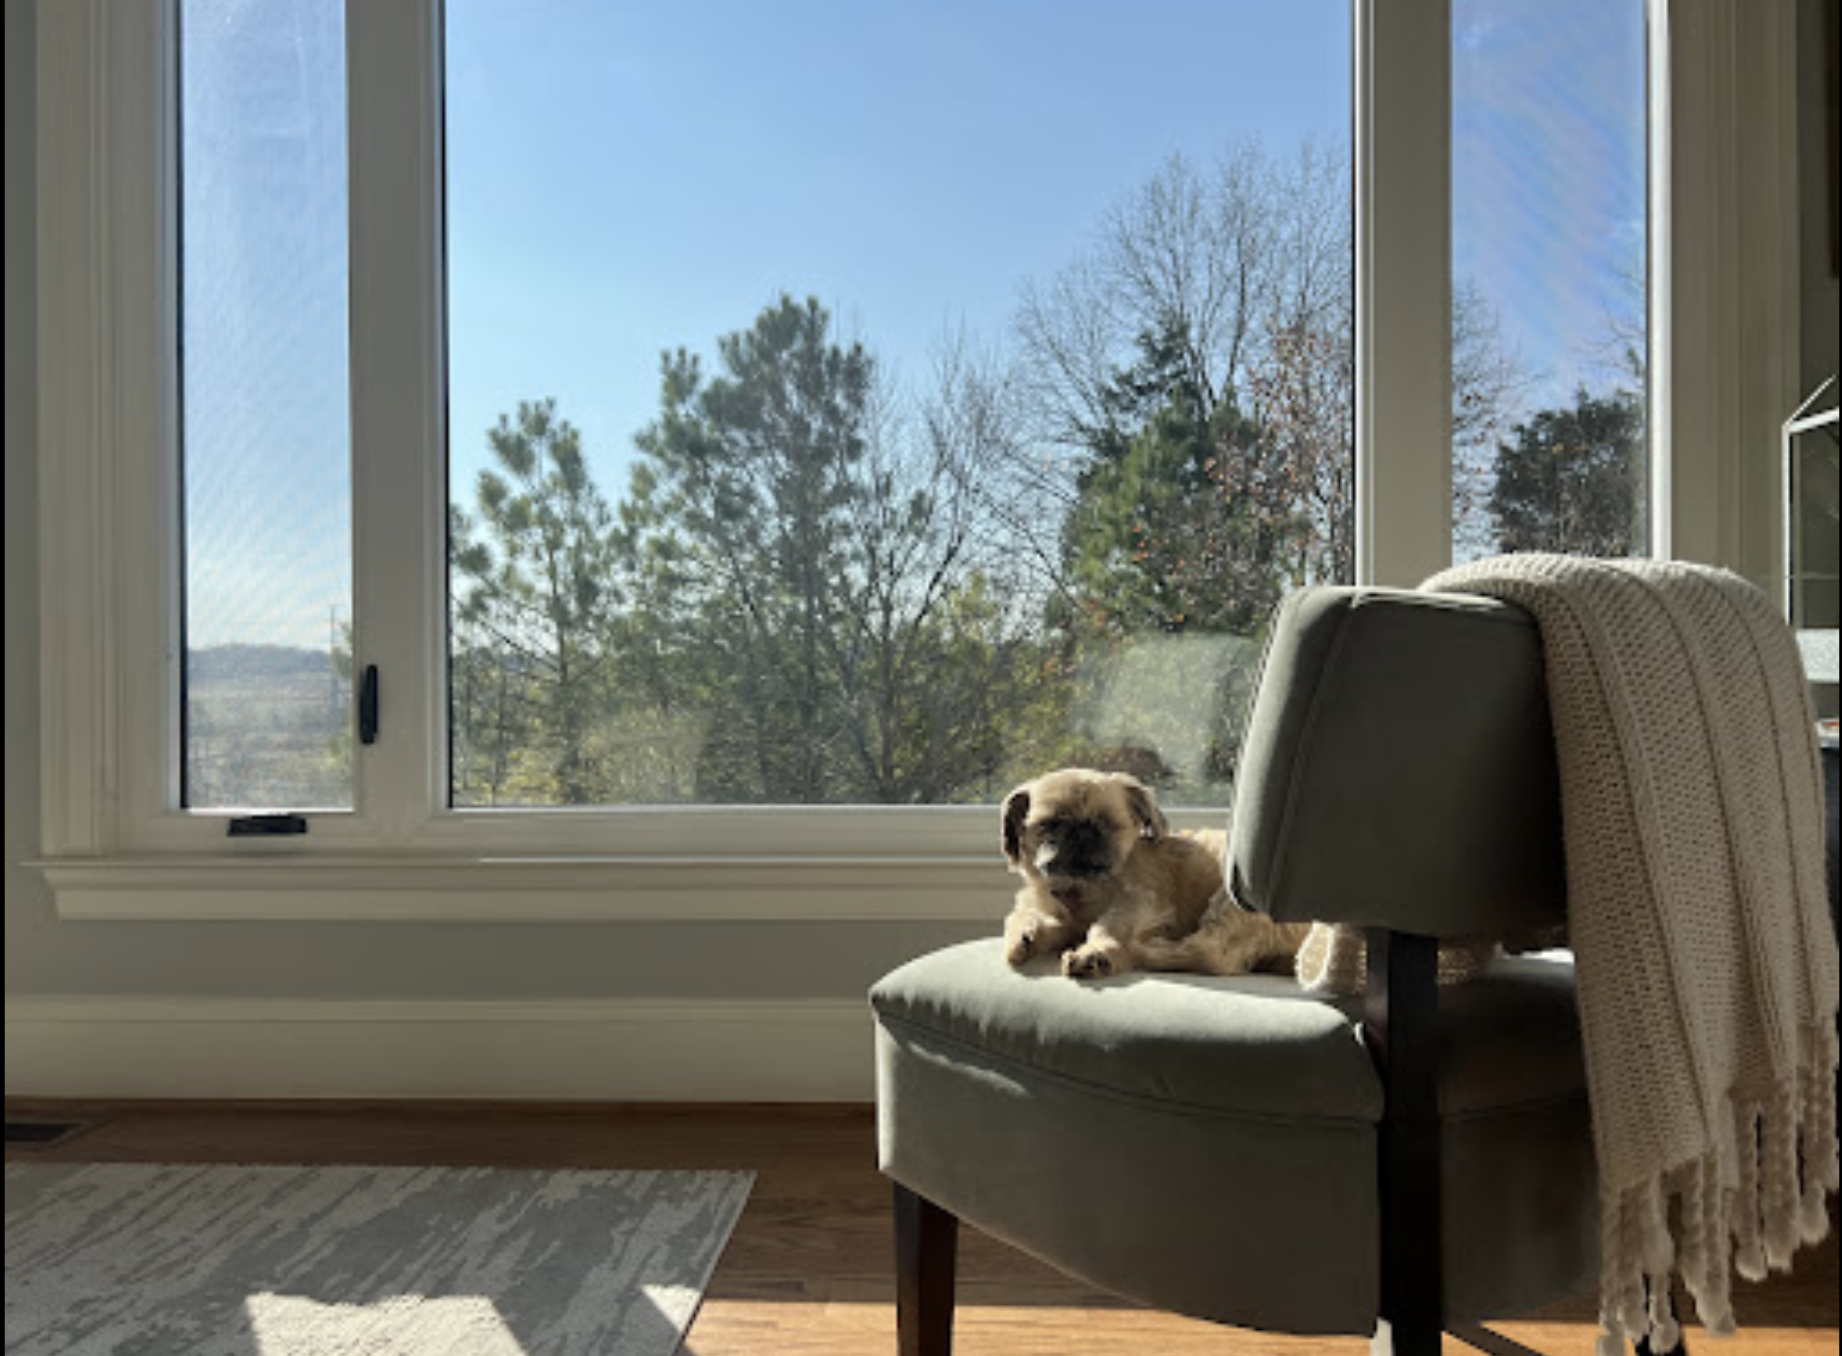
x=1691 y=806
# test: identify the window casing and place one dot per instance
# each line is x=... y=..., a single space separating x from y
x=115 y=842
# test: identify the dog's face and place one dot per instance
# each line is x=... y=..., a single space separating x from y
x=1074 y=827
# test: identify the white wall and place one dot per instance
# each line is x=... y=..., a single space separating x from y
x=1820 y=317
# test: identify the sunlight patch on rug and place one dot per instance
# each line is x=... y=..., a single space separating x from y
x=289 y=1325
x=220 y=1260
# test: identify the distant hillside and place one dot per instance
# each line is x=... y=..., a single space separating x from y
x=267 y=726
x=255 y=663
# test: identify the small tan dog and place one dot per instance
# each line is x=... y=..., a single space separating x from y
x=1110 y=888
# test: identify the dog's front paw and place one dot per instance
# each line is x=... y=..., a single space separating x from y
x=1019 y=946
x=1090 y=962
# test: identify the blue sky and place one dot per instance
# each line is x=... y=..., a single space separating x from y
x=265 y=410
x=629 y=177
x=1549 y=172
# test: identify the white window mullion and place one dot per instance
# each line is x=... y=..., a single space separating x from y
x=145 y=441
x=394 y=121
x=1403 y=200
x=1660 y=308
x=1725 y=329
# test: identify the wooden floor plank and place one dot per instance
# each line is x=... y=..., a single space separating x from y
x=810 y=1269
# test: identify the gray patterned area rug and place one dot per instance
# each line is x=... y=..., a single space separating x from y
x=217 y=1260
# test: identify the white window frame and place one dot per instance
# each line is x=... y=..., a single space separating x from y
x=117 y=845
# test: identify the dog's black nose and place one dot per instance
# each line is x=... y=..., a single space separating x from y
x=1079 y=850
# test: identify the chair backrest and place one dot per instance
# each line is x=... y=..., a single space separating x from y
x=1398 y=769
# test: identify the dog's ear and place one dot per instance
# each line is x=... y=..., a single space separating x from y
x=1144 y=807
x=1016 y=806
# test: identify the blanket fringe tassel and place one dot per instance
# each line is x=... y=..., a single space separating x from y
x=1745 y=1206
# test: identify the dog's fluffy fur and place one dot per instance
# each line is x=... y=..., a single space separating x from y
x=1109 y=888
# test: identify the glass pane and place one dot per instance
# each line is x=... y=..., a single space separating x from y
x=885 y=403
x=1549 y=224
x=265 y=428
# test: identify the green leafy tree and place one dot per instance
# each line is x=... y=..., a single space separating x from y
x=1570 y=479
x=535 y=611
x=741 y=516
x=1181 y=526
x=813 y=569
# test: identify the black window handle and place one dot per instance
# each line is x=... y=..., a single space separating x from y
x=367 y=706
x=267 y=826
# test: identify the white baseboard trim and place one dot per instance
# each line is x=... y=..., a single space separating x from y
x=592 y=1050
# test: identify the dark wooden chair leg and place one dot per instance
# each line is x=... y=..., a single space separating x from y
x=1400 y=1023
x=926 y=1247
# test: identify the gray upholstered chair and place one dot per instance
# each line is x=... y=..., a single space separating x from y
x=1234 y=1148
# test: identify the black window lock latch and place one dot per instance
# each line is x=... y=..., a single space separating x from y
x=367 y=706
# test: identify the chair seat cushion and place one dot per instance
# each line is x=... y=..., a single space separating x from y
x=1208 y=1144
x=1257 y=1045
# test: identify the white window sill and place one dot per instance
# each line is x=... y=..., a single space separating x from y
x=527 y=889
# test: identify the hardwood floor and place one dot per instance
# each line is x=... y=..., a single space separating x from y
x=809 y=1271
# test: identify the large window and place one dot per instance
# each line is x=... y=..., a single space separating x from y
x=756 y=441
x=881 y=404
